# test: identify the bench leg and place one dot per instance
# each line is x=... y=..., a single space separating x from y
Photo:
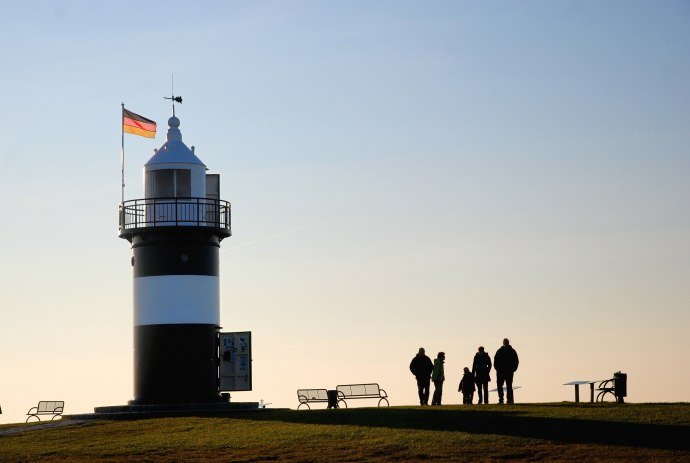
x=601 y=397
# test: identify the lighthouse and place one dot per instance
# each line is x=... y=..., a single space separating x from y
x=175 y=233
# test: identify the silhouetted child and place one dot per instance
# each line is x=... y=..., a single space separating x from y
x=467 y=386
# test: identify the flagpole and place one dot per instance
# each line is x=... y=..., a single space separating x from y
x=122 y=152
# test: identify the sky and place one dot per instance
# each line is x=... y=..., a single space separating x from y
x=402 y=174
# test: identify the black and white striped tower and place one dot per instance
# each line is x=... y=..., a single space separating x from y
x=175 y=233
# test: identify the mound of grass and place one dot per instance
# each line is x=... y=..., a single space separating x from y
x=534 y=432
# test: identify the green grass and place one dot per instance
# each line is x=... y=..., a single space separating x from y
x=534 y=432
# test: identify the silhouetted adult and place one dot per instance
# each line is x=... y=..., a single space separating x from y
x=438 y=377
x=481 y=367
x=506 y=363
x=421 y=367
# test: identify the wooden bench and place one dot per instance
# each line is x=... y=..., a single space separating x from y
x=307 y=396
x=46 y=407
x=361 y=391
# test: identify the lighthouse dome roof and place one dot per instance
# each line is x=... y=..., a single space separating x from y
x=174 y=151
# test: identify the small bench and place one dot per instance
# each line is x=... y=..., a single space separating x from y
x=307 y=396
x=606 y=388
x=361 y=391
x=46 y=407
x=616 y=387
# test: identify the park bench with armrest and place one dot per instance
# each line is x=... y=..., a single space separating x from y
x=46 y=407
x=307 y=396
x=361 y=391
x=617 y=387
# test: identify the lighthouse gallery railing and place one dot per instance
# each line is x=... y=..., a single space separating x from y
x=174 y=212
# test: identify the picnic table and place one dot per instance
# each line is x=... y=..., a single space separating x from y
x=577 y=385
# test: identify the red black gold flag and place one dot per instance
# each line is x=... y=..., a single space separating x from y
x=138 y=125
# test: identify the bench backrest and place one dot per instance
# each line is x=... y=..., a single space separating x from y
x=356 y=390
x=50 y=406
x=312 y=394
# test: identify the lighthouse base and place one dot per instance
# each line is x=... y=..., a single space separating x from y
x=134 y=412
x=176 y=364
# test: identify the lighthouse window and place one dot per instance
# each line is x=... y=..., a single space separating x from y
x=183 y=183
x=163 y=183
x=169 y=183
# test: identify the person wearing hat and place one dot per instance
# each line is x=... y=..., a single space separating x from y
x=438 y=376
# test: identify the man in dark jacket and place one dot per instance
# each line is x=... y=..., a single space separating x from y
x=481 y=367
x=421 y=367
x=506 y=363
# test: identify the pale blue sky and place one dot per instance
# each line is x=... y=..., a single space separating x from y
x=402 y=174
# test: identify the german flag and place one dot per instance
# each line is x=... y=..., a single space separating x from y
x=138 y=125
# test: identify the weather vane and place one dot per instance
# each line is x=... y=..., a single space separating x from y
x=172 y=97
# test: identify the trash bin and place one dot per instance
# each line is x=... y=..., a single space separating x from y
x=332 y=398
x=620 y=384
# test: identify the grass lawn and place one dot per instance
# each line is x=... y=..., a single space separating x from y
x=530 y=432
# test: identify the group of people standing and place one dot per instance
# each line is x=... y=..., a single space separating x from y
x=505 y=363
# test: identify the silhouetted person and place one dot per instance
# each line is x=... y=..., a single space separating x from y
x=506 y=363
x=467 y=386
x=421 y=367
x=438 y=377
x=481 y=367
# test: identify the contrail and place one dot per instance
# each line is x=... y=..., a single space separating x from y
x=266 y=238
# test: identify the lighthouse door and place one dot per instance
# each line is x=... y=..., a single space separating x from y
x=236 y=361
